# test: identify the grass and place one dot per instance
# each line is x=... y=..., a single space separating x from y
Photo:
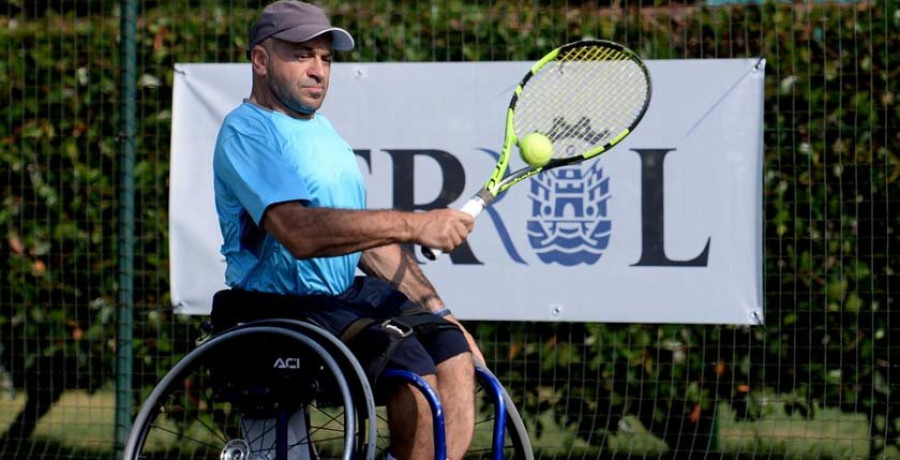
x=81 y=426
x=831 y=434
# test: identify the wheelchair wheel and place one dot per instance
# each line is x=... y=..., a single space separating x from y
x=360 y=389
x=220 y=402
x=516 y=443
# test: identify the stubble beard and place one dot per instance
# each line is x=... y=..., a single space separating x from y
x=287 y=99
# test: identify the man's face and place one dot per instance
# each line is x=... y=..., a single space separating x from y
x=297 y=73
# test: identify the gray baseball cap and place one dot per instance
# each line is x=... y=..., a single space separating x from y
x=295 y=22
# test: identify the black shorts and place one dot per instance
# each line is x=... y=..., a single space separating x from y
x=366 y=297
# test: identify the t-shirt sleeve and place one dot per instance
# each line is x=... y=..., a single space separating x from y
x=255 y=170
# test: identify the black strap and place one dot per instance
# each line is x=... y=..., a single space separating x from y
x=355 y=328
x=397 y=329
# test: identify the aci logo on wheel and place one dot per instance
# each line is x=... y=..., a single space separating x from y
x=286 y=363
x=569 y=224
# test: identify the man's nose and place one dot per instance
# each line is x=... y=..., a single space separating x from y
x=317 y=68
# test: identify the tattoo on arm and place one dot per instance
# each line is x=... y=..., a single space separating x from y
x=398 y=266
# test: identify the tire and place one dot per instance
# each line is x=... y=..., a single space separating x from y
x=210 y=404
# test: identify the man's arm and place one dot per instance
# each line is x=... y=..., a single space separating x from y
x=320 y=232
x=395 y=265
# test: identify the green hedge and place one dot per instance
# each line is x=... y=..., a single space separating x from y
x=832 y=182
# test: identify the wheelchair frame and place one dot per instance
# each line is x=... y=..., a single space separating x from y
x=184 y=392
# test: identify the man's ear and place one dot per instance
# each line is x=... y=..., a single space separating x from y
x=259 y=59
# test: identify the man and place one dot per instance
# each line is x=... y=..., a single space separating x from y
x=290 y=200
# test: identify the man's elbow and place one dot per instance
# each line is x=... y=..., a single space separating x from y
x=303 y=250
x=285 y=222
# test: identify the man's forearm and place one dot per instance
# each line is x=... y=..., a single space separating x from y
x=322 y=232
x=397 y=266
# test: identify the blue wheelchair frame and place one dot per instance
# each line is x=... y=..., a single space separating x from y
x=495 y=390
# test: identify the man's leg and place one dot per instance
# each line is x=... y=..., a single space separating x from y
x=410 y=422
x=410 y=418
x=260 y=435
x=456 y=385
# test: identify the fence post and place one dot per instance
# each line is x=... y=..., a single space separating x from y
x=125 y=315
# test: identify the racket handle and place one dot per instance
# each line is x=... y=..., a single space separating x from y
x=473 y=207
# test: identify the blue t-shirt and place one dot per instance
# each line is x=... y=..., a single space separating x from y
x=263 y=158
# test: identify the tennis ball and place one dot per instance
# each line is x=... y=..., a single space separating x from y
x=536 y=149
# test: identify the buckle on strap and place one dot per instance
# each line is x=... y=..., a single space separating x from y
x=397 y=328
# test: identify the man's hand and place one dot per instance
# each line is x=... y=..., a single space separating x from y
x=443 y=229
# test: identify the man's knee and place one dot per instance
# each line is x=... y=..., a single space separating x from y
x=459 y=367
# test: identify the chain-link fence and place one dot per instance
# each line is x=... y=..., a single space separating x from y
x=83 y=252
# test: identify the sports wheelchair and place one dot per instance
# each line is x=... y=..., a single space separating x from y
x=287 y=389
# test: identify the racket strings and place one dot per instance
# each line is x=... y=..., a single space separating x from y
x=582 y=99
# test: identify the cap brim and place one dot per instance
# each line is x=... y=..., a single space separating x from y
x=341 y=39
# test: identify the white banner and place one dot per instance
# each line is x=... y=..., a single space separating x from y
x=664 y=228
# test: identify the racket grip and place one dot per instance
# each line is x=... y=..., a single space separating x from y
x=473 y=207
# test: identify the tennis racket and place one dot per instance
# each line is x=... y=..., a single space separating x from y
x=585 y=97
